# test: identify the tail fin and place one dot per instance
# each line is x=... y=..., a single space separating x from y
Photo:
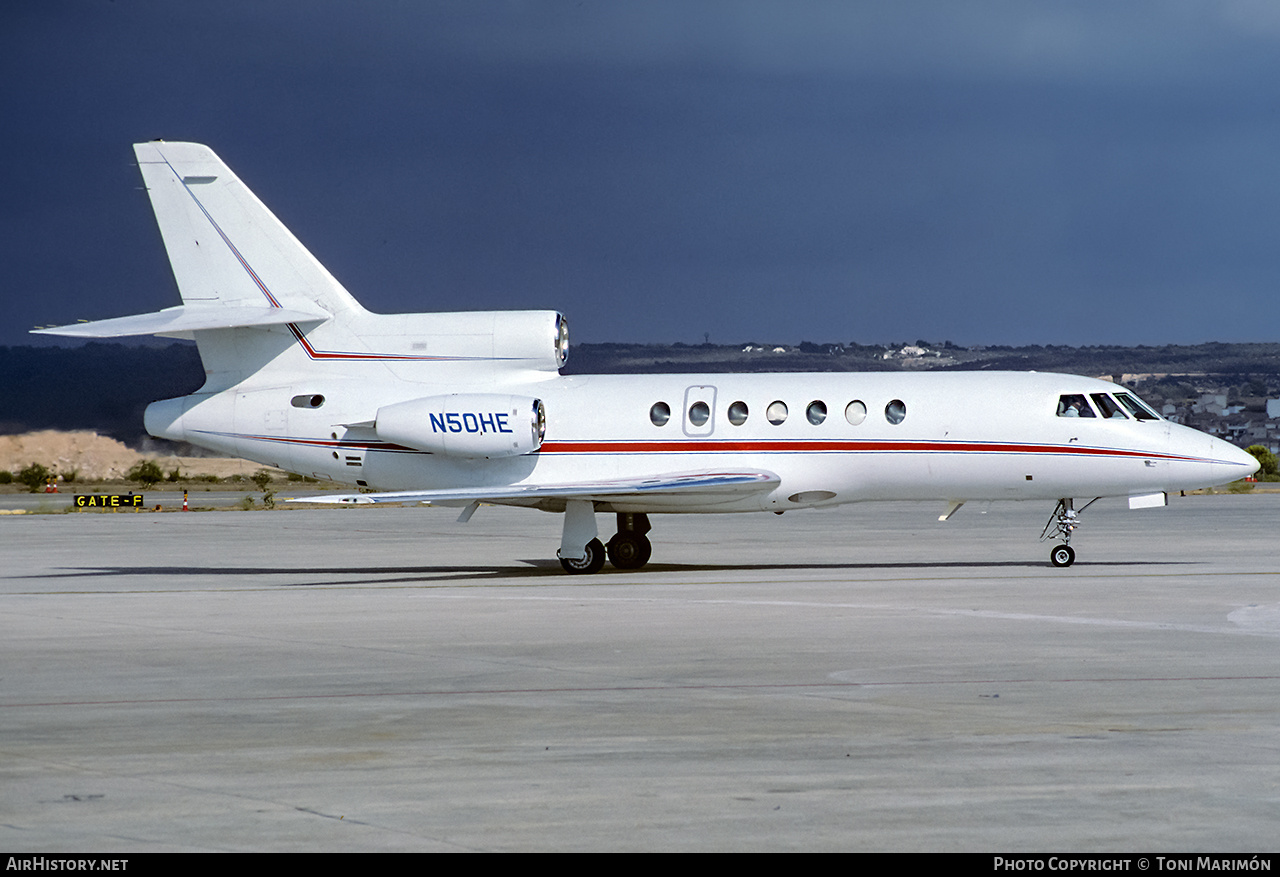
x=264 y=312
x=248 y=287
x=225 y=246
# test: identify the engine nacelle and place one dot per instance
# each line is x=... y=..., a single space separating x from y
x=498 y=339
x=466 y=424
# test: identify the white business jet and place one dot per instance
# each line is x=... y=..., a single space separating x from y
x=463 y=408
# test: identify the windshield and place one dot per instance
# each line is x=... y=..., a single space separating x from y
x=1136 y=407
x=1110 y=406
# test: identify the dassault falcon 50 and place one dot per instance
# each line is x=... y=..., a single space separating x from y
x=463 y=408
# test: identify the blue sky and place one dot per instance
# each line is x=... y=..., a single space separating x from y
x=984 y=172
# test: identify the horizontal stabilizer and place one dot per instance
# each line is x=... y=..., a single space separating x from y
x=728 y=483
x=182 y=319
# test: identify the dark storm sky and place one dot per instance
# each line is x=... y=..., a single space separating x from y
x=985 y=172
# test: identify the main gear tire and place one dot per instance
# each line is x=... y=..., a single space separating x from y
x=629 y=550
x=593 y=562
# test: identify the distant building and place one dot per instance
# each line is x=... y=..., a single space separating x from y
x=1211 y=403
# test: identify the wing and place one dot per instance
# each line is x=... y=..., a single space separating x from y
x=702 y=485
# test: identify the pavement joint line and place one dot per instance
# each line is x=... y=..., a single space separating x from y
x=607 y=689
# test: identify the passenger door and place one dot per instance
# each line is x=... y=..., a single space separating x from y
x=699 y=416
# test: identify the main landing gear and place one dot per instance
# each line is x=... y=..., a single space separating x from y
x=582 y=552
x=630 y=547
x=1061 y=524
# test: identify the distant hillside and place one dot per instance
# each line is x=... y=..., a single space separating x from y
x=105 y=387
x=1201 y=359
x=1214 y=358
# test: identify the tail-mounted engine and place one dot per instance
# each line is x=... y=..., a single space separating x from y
x=466 y=425
x=501 y=340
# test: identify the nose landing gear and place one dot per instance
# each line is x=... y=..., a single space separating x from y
x=1061 y=524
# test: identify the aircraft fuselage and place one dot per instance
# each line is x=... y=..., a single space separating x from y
x=962 y=436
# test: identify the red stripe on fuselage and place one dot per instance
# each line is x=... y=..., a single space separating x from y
x=594 y=448
x=812 y=446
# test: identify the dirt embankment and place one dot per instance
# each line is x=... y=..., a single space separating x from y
x=92 y=457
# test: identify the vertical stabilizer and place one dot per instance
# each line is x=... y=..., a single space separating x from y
x=225 y=246
x=228 y=253
x=266 y=315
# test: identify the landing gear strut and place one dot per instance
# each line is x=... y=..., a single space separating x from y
x=580 y=550
x=630 y=547
x=1061 y=524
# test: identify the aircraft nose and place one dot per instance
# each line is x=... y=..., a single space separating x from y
x=1207 y=461
x=1230 y=463
x=1236 y=458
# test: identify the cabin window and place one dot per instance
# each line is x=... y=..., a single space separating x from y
x=776 y=413
x=699 y=413
x=816 y=412
x=1074 y=405
x=855 y=412
x=738 y=413
x=660 y=413
x=895 y=411
x=1107 y=406
x=1136 y=408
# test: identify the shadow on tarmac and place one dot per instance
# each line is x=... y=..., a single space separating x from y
x=543 y=567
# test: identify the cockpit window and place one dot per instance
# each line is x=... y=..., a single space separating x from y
x=1074 y=406
x=1107 y=406
x=1136 y=408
